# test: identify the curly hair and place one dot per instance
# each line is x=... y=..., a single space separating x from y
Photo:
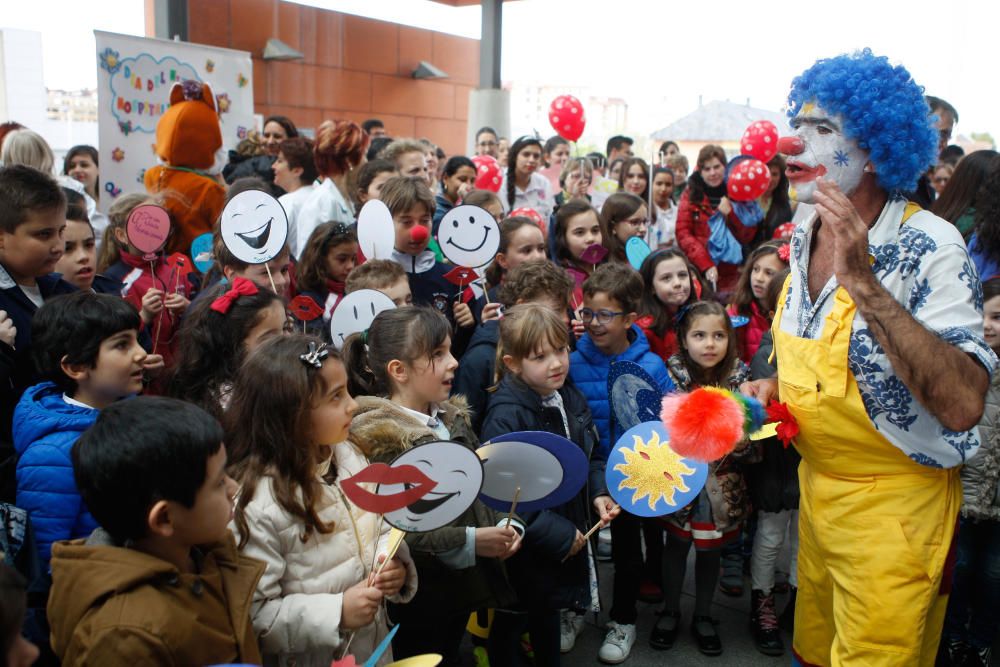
x=883 y=109
x=211 y=346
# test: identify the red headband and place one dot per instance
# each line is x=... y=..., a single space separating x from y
x=241 y=287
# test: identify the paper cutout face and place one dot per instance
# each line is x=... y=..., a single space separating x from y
x=201 y=252
x=548 y=469
x=147 y=228
x=469 y=236
x=355 y=313
x=415 y=485
x=457 y=474
x=376 y=234
x=825 y=152
x=636 y=250
x=304 y=308
x=461 y=276
x=254 y=227
x=634 y=395
x=648 y=478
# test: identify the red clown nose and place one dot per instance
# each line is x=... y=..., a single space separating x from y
x=419 y=234
x=791 y=145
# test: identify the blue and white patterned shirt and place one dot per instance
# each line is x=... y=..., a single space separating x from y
x=925 y=266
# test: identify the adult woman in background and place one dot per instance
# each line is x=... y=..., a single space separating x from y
x=704 y=198
x=339 y=149
x=958 y=202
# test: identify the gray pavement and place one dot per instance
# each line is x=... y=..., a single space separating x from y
x=733 y=615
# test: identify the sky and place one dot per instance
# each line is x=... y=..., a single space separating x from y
x=658 y=55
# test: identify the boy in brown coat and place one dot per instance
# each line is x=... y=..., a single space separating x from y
x=161 y=582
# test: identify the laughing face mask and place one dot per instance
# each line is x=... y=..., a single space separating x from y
x=818 y=148
x=457 y=476
x=254 y=227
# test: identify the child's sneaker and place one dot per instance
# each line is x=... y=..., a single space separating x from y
x=617 y=643
x=570 y=627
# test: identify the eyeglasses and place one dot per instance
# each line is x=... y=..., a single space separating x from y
x=588 y=315
x=636 y=222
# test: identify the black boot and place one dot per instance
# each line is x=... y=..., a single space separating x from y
x=764 y=624
x=787 y=619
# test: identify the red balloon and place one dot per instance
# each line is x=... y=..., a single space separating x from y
x=760 y=141
x=534 y=216
x=567 y=118
x=488 y=173
x=748 y=180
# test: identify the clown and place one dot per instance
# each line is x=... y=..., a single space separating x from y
x=878 y=336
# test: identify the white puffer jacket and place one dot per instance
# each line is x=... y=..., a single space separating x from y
x=297 y=605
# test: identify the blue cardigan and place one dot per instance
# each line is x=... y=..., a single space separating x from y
x=45 y=428
x=589 y=368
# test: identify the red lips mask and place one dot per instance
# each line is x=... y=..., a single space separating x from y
x=416 y=482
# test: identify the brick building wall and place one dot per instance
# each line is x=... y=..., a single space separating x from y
x=354 y=68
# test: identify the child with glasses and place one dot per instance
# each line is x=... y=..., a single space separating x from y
x=623 y=216
x=611 y=298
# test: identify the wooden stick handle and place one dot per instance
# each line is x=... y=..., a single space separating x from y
x=513 y=506
x=589 y=533
x=271 y=278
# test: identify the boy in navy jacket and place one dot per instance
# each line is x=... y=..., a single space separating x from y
x=32 y=219
x=610 y=300
x=411 y=204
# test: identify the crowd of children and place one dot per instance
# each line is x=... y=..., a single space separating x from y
x=204 y=523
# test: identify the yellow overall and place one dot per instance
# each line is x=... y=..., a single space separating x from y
x=874 y=527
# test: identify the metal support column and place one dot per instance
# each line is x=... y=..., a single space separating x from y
x=171 y=19
x=489 y=44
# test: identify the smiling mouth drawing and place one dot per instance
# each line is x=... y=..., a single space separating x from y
x=486 y=234
x=415 y=483
x=257 y=238
x=425 y=505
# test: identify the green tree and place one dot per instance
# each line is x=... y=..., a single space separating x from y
x=984 y=136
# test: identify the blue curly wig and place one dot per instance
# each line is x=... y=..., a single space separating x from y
x=883 y=110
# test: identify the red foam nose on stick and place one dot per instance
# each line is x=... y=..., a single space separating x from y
x=419 y=234
x=790 y=145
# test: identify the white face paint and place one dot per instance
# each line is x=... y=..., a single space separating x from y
x=254 y=227
x=355 y=313
x=469 y=236
x=827 y=153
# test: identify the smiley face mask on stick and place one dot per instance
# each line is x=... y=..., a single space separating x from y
x=254 y=227
x=469 y=236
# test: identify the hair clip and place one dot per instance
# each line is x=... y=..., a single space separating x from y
x=785 y=252
x=339 y=229
x=364 y=337
x=315 y=355
x=241 y=287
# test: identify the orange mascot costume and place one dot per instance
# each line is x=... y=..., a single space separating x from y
x=187 y=139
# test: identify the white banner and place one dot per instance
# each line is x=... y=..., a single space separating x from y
x=134 y=77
